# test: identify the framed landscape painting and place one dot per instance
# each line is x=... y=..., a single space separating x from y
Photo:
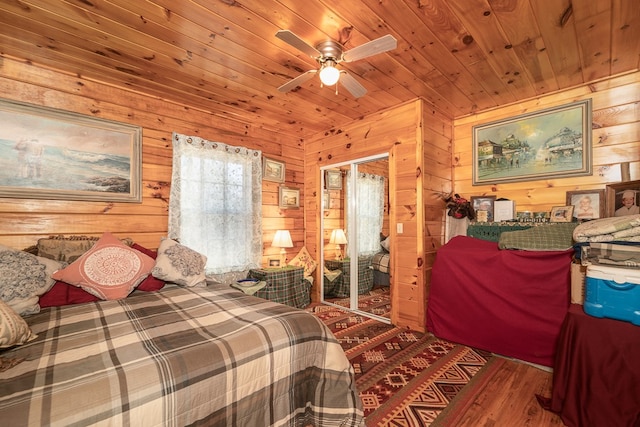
x=546 y=144
x=53 y=154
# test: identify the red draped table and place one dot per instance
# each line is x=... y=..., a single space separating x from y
x=596 y=378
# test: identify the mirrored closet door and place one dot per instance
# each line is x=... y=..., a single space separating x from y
x=354 y=226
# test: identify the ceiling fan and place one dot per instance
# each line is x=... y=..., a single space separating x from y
x=329 y=54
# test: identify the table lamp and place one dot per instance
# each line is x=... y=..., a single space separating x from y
x=338 y=238
x=282 y=240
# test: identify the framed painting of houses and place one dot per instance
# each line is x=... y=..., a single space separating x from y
x=53 y=154
x=546 y=144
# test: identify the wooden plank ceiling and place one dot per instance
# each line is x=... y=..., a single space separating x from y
x=222 y=56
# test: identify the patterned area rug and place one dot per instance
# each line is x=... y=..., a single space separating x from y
x=407 y=378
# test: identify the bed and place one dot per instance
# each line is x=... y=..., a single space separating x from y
x=179 y=355
x=508 y=301
x=380 y=265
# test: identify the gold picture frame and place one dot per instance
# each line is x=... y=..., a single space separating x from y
x=546 y=144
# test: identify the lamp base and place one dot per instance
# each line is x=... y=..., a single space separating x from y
x=283 y=257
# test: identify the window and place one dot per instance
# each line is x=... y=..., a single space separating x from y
x=216 y=204
x=369 y=202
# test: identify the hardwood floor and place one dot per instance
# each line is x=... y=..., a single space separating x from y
x=509 y=399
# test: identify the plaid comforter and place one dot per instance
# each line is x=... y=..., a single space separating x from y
x=179 y=356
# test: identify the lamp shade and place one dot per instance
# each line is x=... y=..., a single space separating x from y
x=329 y=74
x=338 y=237
x=282 y=239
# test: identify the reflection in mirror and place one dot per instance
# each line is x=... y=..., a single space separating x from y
x=355 y=222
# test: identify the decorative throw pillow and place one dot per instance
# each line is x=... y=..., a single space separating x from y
x=65 y=294
x=386 y=243
x=109 y=270
x=303 y=259
x=179 y=264
x=24 y=277
x=13 y=329
x=70 y=248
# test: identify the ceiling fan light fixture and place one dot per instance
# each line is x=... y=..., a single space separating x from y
x=329 y=74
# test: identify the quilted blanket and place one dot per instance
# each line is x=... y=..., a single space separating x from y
x=179 y=356
x=619 y=228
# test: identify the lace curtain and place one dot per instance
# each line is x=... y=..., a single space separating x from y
x=369 y=197
x=216 y=204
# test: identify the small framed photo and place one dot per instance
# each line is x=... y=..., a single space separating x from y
x=272 y=170
x=483 y=204
x=333 y=180
x=587 y=204
x=274 y=262
x=326 y=200
x=289 y=198
x=623 y=198
x=561 y=214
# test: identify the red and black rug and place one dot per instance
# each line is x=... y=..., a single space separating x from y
x=407 y=378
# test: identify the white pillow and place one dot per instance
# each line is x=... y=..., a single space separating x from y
x=179 y=264
x=386 y=243
x=13 y=329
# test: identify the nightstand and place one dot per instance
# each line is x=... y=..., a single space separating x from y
x=285 y=285
x=341 y=285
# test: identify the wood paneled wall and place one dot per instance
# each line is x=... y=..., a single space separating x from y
x=23 y=221
x=417 y=172
x=615 y=140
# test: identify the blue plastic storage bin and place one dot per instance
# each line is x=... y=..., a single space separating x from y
x=613 y=292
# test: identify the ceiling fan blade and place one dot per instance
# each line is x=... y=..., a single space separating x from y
x=352 y=85
x=295 y=41
x=293 y=83
x=371 y=48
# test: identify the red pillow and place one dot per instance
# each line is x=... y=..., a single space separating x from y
x=64 y=294
x=149 y=284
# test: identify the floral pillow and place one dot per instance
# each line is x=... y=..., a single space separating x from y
x=179 y=264
x=109 y=270
x=13 y=329
x=23 y=278
x=303 y=259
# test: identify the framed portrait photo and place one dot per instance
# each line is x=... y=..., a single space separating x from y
x=561 y=214
x=623 y=198
x=587 y=204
